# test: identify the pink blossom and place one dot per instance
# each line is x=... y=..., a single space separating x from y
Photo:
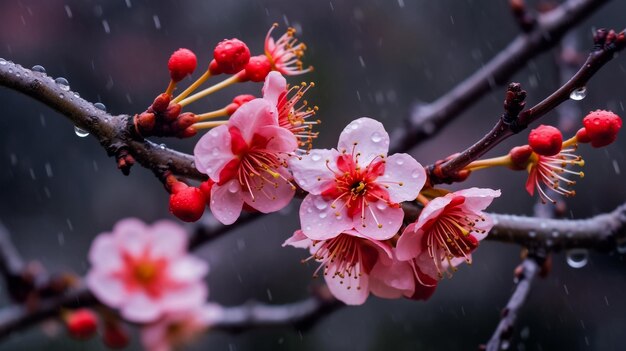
x=550 y=172
x=177 y=329
x=246 y=160
x=347 y=260
x=356 y=186
x=447 y=231
x=145 y=271
x=285 y=53
x=401 y=279
x=292 y=114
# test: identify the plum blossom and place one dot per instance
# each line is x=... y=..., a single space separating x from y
x=346 y=261
x=177 y=329
x=292 y=115
x=285 y=53
x=246 y=159
x=550 y=172
x=447 y=231
x=395 y=279
x=356 y=186
x=145 y=271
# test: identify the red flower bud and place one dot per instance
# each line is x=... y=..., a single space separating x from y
x=582 y=136
x=115 y=336
x=237 y=102
x=205 y=187
x=161 y=102
x=172 y=111
x=231 y=56
x=187 y=203
x=602 y=127
x=82 y=324
x=519 y=156
x=182 y=63
x=546 y=140
x=257 y=68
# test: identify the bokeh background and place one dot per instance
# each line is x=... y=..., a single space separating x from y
x=373 y=58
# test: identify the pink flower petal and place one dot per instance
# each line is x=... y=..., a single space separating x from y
x=188 y=269
x=131 y=235
x=311 y=171
x=320 y=221
x=298 y=240
x=370 y=137
x=350 y=290
x=275 y=84
x=485 y=225
x=434 y=208
x=408 y=246
x=402 y=169
x=105 y=254
x=213 y=151
x=226 y=201
x=268 y=197
x=477 y=199
x=253 y=115
x=107 y=288
x=427 y=265
x=280 y=139
x=168 y=239
x=392 y=281
x=381 y=221
x=140 y=308
x=185 y=298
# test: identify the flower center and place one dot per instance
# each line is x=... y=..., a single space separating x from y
x=145 y=272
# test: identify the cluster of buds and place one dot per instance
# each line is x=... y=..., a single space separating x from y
x=83 y=324
x=548 y=158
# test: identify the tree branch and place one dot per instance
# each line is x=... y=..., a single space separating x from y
x=550 y=28
x=525 y=276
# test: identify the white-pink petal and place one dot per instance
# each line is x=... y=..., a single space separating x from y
x=213 y=151
x=314 y=172
x=367 y=137
x=131 y=235
x=381 y=221
x=298 y=240
x=275 y=84
x=404 y=177
x=140 y=308
x=392 y=281
x=184 y=298
x=109 y=289
x=227 y=201
x=168 y=239
x=253 y=115
x=477 y=199
x=105 y=253
x=320 y=221
x=408 y=244
x=188 y=269
x=349 y=290
x=265 y=197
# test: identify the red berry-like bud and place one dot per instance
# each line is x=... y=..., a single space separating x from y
x=519 y=156
x=546 y=140
x=115 y=336
x=182 y=63
x=231 y=56
x=237 y=102
x=82 y=324
x=602 y=127
x=172 y=111
x=582 y=136
x=257 y=68
x=187 y=203
x=205 y=187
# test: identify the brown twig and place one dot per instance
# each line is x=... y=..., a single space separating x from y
x=550 y=28
x=526 y=273
x=606 y=44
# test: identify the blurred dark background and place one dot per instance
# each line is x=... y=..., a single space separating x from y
x=373 y=58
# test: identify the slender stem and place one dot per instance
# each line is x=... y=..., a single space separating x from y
x=210 y=90
x=207 y=125
x=170 y=87
x=203 y=78
x=213 y=114
x=489 y=162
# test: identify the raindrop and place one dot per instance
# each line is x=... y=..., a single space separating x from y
x=621 y=247
x=316 y=157
x=415 y=174
x=100 y=106
x=63 y=83
x=376 y=137
x=323 y=215
x=381 y=206
x=578 y=94
x=400 y=162
x=38 y=68
x=233 y=187
x=162 y=146
x=105 y=24
x=3 y=62
x=532 y=234
x=80 y=132
x=577 y=258
x=505 y=345
x=320 y=204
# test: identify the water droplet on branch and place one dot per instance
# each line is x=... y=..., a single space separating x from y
x=63 y=83
x=577 y=258
x=38 y=68
x=80 y=132
x=578 y=94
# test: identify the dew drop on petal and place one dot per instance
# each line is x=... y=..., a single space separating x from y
x=323 y=215
x=400 y=162
x=315 y=156
x=233 y=187
x=63 y=83
x=578 y=94
x=320 y=204
x=577 y=258
x=415 y=174
x=80 y=132
x=38 y=68
x=376 y=137
x=381 y=206
x=100 y=106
